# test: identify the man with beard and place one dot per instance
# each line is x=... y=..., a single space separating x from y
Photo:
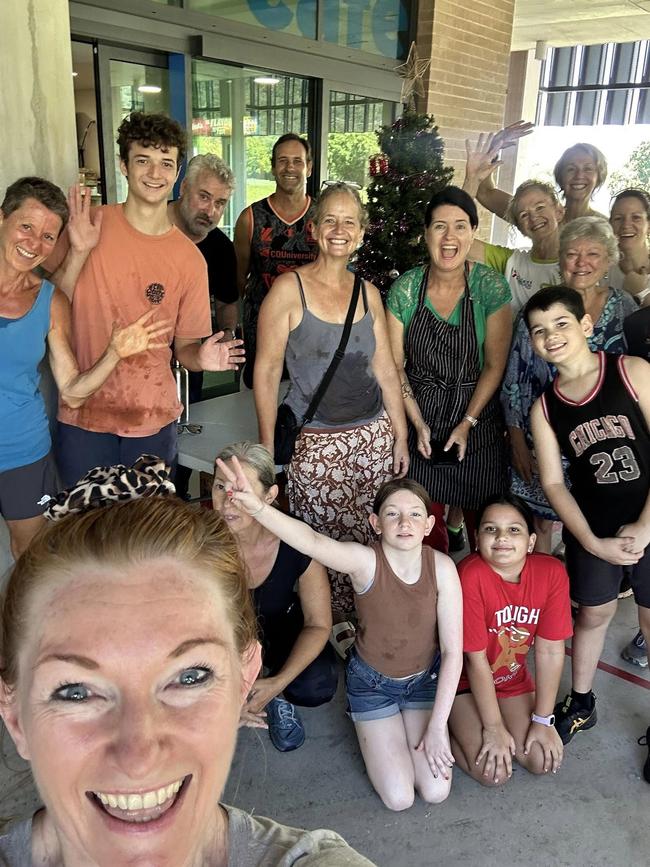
x=204 y=195
x=274 y=235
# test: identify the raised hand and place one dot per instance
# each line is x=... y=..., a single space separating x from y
x=482 y=158
x=216 y=353
x=510 y=135
x=84 y=225
x=140 y=336
x=239 y=488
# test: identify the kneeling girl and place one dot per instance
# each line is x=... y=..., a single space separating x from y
x=403 y=672
x=512 y=598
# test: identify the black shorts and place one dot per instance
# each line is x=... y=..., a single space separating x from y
x=25 y=491
x=594 y=581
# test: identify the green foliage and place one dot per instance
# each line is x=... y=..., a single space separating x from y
x=635 y=172
x=397 y=200
x=258 y=156
x=347 y=156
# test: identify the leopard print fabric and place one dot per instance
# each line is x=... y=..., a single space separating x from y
x=148 y=477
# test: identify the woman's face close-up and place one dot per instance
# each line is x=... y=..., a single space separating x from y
x=338 y=231
x=579 y=176
x=503 y=537
x=584 y=263
x=630 y=223
x=448 y=237
x=28 y=235
x=236 y=519
x=537 y=215
x=127 y=706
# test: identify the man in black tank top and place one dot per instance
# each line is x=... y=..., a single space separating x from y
x=274 y=235
x=597 y=414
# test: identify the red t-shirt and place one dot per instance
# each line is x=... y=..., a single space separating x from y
x=503 y=618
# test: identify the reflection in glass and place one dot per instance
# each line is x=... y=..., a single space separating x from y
x=288 y=16
x=351 y=139
x=238 y=114
x=379 y=27
x=135 y=87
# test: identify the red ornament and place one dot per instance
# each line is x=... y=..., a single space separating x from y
x=378 y=165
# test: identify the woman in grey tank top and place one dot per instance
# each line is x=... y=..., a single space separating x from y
x=357 y=438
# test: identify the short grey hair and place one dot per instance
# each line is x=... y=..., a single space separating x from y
x=595 y=229
x=256 y=457
x=209 y=163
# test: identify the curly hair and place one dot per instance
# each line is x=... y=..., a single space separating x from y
x=151 y=130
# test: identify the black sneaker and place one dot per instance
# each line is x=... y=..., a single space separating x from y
x=571 y=718
x=645 y=742
x=457 y=539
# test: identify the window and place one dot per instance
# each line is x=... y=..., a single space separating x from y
x=595 y=84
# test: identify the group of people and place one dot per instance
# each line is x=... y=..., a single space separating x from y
x=497 y=390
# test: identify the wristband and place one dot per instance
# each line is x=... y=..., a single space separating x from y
x=543 y=720
x=642 y=294
x=470 y=418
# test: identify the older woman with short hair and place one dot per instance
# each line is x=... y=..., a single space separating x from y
x=35 y=321
x=588 y=249
x=129 y=643
x=357 y=439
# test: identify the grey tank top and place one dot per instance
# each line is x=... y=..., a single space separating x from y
x=353 y=396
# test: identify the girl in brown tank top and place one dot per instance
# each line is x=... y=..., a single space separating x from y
x=401 y=679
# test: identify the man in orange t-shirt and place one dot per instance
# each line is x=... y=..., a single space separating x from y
x=120 y=261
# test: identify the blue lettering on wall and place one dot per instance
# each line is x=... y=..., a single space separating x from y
x=275 y=16
x=386 y=19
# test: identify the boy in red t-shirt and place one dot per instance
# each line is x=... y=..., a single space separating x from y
x=511 y=599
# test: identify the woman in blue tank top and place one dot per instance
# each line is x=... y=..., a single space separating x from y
x=35 y=319
x=357 y=437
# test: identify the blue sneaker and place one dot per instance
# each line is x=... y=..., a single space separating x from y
x=285 y=726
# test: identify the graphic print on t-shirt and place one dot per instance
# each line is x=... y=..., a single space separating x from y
x=513 y=637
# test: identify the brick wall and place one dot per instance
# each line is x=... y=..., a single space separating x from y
x=466 y=85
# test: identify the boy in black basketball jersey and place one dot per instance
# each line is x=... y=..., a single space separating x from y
x=597 y=414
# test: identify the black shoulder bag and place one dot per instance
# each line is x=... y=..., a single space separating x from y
x=287 y=427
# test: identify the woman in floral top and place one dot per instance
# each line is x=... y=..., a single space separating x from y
x=587 y=250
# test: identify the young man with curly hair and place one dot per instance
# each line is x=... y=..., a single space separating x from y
x=118 y=262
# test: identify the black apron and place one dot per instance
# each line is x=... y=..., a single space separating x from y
x=443 y=369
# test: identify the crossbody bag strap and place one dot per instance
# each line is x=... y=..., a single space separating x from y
x=338 y=355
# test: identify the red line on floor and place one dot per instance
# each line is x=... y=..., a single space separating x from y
x=618 y=672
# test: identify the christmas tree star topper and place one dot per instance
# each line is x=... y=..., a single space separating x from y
x=413 y=72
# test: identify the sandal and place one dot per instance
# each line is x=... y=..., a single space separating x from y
x=343 y=637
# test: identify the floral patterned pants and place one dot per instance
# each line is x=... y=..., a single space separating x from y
x=331 y=485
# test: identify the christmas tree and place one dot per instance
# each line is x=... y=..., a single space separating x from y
x=407 y=172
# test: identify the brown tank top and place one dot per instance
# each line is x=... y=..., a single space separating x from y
x=398 y=634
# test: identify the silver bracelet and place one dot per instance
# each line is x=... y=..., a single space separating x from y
x=643 y=293
x=261 y=509
x=470 y=418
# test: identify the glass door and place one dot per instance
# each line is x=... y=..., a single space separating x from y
x=238 y=113
x=129 y=81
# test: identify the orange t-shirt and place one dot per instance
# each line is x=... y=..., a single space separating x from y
x=124 y=276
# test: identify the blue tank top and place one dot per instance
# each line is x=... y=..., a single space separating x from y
x=24 y=432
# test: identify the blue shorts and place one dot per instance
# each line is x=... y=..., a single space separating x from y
x=372 y=695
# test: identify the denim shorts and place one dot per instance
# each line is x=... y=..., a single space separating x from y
x=372 y=695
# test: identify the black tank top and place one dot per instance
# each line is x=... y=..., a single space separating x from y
x=276 y=247
x=605 y=438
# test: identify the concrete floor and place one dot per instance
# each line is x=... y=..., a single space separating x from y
x=596 y=811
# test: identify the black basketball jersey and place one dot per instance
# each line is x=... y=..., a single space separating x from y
x=276 y=247
x=606 y=440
